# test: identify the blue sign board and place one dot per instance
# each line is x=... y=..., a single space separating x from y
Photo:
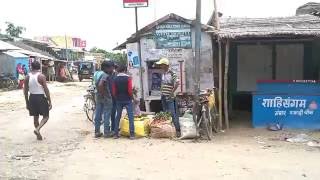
x=292 y=111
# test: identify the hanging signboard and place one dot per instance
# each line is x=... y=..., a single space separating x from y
x=173 y=35
x=133 y=55
x=135 y=3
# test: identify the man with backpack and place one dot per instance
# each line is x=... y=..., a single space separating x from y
x=103 y=99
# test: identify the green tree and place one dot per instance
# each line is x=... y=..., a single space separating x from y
x=119 y=58
x=13 y=30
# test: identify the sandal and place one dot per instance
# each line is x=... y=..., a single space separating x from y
x=39 y=137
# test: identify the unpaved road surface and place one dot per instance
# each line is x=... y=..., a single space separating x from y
x=69 y=150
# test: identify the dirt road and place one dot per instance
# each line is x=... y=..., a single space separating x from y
x=69 y=150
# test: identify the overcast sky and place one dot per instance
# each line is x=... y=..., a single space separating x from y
x=104 y=23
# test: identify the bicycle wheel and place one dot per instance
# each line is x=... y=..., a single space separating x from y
x=11 y=85
x=89 y=108
x=206 y=119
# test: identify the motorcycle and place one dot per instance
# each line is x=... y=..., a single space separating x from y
x=8 y=81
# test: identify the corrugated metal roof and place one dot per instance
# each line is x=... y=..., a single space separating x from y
x=6 y=46
x=15 y=54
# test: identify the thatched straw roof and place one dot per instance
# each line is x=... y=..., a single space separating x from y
x=309 y=8
x=295 y=26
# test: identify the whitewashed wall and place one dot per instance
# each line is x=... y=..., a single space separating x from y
x=150 y=53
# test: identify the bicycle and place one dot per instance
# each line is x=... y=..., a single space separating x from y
x=8 y=81
x=207 y=116
x=90 y=103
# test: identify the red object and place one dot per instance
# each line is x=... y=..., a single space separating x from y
x=130 y=87
x=21 y=83
x=114 y=90
x=181 y=78
x=288 y=81
x=83 y=44
x=135 y=3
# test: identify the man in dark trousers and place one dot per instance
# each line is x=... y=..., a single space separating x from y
x=169 y=84
x=122 y=91
x=112 y=76
x=103 y=100
x=39 y=101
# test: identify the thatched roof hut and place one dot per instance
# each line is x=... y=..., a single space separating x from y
x=309 y=8
x=294 y=26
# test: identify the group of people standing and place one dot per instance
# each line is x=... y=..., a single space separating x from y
x=114 y=92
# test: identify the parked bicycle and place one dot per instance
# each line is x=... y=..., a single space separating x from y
x=207 y=115
x=89 y=103
x=8 y=81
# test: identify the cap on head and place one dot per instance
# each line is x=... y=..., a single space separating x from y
x=163 y=61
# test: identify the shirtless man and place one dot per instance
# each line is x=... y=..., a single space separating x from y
x=38 y=102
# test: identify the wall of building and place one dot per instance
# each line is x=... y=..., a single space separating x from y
x=279 y=61
x=7 y=64
x=149 y=52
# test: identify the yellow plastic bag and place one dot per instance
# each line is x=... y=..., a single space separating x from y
x=211 y=101
x=141 y=126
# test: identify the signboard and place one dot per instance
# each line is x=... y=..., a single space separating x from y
x=135 y=3
x=173 y=35
x=292 y=111
x=133 y=55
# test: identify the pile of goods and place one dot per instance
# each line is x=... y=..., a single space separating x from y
x=141 y=126
x=188 y=126
x=161 y=126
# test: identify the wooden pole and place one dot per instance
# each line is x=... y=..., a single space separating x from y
x=220 y=83
x=197 y=59
x=217 y=25
x=226 y=72
x=140 y=58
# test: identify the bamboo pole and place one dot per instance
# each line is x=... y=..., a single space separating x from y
x=217 y=25
x=226 y=72
x=220 y=84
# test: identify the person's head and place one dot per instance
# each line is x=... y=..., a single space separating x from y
x=107 y=66
x=116 y=66
x=163 y=63
x=35 y=66
x=122 y=69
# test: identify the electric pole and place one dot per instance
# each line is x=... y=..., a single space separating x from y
x=197 y=58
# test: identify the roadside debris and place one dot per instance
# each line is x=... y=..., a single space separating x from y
x=275 y=127
x=300 y=138
x=314 y=144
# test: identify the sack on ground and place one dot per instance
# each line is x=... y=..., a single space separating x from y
x=188 y=128
x=141 y=126
x=163 y=130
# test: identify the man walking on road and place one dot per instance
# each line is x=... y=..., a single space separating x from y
x=39 y=101
x=169 y=84
x=122 y=91
x=103 y=100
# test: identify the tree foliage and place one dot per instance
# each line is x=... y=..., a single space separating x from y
x=13 y=30
x=119 y=58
